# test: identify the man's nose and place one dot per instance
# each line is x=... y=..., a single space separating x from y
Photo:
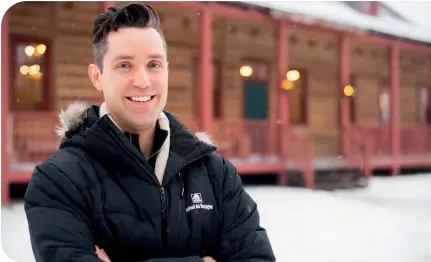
x=141 y=78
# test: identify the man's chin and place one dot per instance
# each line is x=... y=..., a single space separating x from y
x=138 y=125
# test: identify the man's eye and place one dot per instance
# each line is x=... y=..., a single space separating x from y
x=154 y=65
x=124 y=65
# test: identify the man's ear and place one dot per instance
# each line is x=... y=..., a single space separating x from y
x=95 y=76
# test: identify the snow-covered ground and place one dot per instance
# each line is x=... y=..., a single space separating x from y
x=390 y=221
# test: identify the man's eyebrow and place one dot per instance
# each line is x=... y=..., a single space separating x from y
x=124 y=57
x=131 y=57
x=156 y=56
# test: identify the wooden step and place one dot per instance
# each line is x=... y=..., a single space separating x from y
x=331 y=179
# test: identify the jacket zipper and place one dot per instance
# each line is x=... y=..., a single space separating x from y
x=162 y=190
x=164 y=207
x=163 y=202
x=163 y=211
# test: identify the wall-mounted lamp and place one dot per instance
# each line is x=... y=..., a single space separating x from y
x=349 y=90
x=291 y=77
x=38 y=51
x=246 y=71
x=286 y=85
x=29 y=50
x=41 y=49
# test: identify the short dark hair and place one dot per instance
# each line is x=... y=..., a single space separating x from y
x=114 y=18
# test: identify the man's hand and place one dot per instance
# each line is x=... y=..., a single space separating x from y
x=209 y=259
x=101 y=254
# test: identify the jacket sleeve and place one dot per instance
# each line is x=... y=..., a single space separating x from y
x=242 y=239
x=58 y=228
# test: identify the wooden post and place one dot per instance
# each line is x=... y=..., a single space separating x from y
x=206 y=58
x=344 y=78
x=5 y=114
x=395 y=106
x=283 y=99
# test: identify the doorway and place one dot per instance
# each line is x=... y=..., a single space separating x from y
x=255 y=76
x=255 y=100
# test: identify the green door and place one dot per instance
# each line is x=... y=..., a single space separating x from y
x=255 y=100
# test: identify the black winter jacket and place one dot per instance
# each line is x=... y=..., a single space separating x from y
x=98 y=189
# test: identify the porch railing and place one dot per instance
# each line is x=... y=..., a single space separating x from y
x=254 y=141
x=361 y=141
x=231 y=139
x=257 y=142
x=32 y=137
x=301 y=154
x=371 y=145
x=379 y=136
x=415 y=139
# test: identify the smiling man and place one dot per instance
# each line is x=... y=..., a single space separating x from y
x=129 y=181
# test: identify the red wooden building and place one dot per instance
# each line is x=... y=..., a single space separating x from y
x=280 y=90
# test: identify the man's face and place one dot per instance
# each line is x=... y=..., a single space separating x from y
x=134 y=81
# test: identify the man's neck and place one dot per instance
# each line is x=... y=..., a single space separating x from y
x=146 y=136
x=146 y=141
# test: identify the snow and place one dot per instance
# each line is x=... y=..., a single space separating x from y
x=339 y=13
x=390 y=221
x=416 y=12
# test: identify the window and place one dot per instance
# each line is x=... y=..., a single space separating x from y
x=385 y=105
x=424 y=106
x=29 y=74
x=298 y=98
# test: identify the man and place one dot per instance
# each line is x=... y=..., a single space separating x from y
x=129 y=182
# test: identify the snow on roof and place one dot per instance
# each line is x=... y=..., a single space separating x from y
x=339 y=13
x=416 y=12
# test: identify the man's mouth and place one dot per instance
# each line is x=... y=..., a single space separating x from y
x=141 y=99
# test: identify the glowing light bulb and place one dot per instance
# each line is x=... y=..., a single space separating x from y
x=246 y=71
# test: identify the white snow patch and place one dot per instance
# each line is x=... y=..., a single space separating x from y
x=390 y=221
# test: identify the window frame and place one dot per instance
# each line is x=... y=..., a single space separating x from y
x=15 y=40
x=385 y=87
x=303 y=118
x=424 y=111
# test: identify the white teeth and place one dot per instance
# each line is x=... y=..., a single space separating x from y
x=140 y=98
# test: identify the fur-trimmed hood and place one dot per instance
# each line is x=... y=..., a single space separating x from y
x=74 y=114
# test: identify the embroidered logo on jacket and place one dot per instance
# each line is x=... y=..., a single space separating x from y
x=196 y=198
x=198 y=203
